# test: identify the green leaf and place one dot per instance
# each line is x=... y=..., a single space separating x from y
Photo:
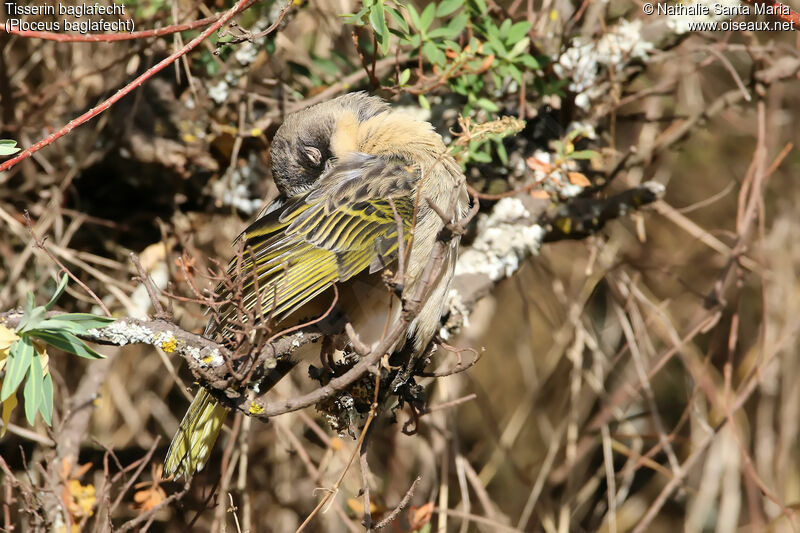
x=451 y=45
x=480 y=5
x=56 y=324
x=398 y=19
x=502 y=153
x=433 y=54
x=448 y=6
x=355 y=18
x=516 y=74
x=85 y=321
x=30 y=303
x=458 y=23
x=481 y=157
x=8 y=147
x=404 y=77
x=59 y=291
x=32 y=315
x=497 y=78
x=491 y=30
x=458 y=85
x=32 y=320
x=518 y=31
x=33 y=390
x=504 y=27
x=67 y=342
x=75 y=323
x=46 y=405
x=496 y=44
x=518 y=48
x=529 y=61
x=414 y=15
x=487 y=104
x=377 y=18
x=383 y=43
x=583 y=154
x=427 y=17
x=18 y=362
x=423 y=102
x=442 y=31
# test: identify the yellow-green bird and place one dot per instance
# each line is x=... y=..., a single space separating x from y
x=343 y=168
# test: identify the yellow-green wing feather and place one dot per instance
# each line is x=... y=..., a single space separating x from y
x=331 y=233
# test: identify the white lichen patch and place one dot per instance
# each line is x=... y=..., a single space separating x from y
x=586 y=63
x=236 y=190
x=219 y=91
x=502 y=242
x=122 y=333
x=297 y=338
x=458 y=314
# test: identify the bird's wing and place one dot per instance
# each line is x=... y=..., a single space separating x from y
x=343 y=225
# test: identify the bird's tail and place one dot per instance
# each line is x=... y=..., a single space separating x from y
x=196 y=436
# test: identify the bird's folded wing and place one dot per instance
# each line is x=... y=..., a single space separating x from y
x=343 y=225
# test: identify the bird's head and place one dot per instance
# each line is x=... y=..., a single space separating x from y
x=301 y=149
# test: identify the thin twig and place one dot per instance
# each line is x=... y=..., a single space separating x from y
x=148 y=285
x=400 y=506
x=39 y=243
x=240 y=6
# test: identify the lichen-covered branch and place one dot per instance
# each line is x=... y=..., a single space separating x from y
x=505 y=238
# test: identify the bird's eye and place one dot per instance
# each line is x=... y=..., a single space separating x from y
x=313 y=154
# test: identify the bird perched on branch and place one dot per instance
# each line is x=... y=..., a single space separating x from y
x=353 y=175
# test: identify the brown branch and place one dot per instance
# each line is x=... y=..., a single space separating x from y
x=240 y=6
x=400 y=506
x=148 y=285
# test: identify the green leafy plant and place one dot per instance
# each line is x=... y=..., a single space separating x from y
x=23 y=353
x=465 y=50
x=565 y=149
x=8 y=147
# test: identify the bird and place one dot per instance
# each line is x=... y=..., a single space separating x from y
x=346 y=169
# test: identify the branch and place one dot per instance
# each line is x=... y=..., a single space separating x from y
x=506 y=237
x=240 y=6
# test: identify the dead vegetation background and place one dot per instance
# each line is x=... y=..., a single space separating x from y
x=641 y=379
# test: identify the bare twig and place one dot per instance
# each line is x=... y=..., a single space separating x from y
x=391 y=517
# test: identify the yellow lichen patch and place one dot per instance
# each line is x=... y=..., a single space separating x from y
x=256 y=409
x=207 y=359
x=169 y=345
x=82 y=499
